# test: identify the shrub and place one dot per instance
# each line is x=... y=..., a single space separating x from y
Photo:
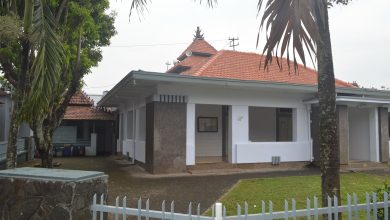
x=380 y=198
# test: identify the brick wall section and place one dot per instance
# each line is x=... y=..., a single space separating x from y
x=383 y=134
x=166 y=137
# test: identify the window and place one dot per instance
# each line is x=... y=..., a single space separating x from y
x=130 y=125
x=270 y=124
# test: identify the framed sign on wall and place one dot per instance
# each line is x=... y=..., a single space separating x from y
x=207 y=124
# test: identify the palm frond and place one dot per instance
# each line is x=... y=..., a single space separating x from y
x=141 y=5
x=46 y=67
x=288 y=24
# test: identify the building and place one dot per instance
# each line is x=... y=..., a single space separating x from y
x=24 y=143
x=221 y=106
x=86 y=127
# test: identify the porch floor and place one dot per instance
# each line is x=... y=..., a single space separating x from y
x=203 y=160
x=359 y=164
x=226 y=167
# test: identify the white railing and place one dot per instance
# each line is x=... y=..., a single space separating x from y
x=351 y=210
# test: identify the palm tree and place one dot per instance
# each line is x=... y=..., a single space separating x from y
x=35 y=70
x=292 y=27
x=305 y=24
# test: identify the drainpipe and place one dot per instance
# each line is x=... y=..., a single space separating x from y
x=308 y=109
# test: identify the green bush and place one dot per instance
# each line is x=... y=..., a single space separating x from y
x=380 y=198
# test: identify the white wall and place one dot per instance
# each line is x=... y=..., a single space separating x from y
x=240 y=129
x=190 y=134
x=135 y=146
x=359 y=134
x=208 y=143
x=262 y=152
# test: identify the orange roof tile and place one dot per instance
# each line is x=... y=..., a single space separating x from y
x=240 y=65
x=200 y=46
x=80 y=98
x=86 y=113
x=246 y=66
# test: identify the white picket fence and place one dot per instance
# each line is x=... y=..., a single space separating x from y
x=312 y=211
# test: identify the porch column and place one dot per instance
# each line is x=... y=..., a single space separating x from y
x=374 y=134
x=239 y=130
x=343 y=131
x=190 y=134
x=166 y=135
x=383 y=116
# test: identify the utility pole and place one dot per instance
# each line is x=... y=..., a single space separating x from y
x=168 y=64
x=233 y=42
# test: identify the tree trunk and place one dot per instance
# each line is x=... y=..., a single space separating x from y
x=43 y=142
x=12 y=138
x=329 y=144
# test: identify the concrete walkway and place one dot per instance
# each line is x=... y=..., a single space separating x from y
x=129 y=180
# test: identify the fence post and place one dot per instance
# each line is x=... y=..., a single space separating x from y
x=218 y=211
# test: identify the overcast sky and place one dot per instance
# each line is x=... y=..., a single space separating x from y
x=360 y=38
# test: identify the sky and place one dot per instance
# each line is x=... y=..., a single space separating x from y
x=360 y=34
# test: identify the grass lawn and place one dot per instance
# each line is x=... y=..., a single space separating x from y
x=299 y=187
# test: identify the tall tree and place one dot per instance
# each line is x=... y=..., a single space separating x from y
x=80 y=28
x=30 y=56
x=305 y=24
x=85 y=28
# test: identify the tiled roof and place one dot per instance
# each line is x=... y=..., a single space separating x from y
x=200 y=46
x=247 y=66
x=190 y=65
x=86 y=113
x=80 y=98
x=243 y=66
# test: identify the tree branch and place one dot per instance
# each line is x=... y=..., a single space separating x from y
x=60 y=10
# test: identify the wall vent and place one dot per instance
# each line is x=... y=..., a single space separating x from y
x=170 y=98
x=275 y=160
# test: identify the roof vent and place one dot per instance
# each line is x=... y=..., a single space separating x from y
x=188 y=53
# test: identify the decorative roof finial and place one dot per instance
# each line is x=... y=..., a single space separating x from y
x=198 y=35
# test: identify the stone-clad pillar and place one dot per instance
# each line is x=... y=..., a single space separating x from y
x=166 y=137
x=383 y=116
x=343 y=131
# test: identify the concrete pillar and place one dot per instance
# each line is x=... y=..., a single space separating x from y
x=343 y=131
x=166 y=137
x=190 y=145
x=383 y=116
